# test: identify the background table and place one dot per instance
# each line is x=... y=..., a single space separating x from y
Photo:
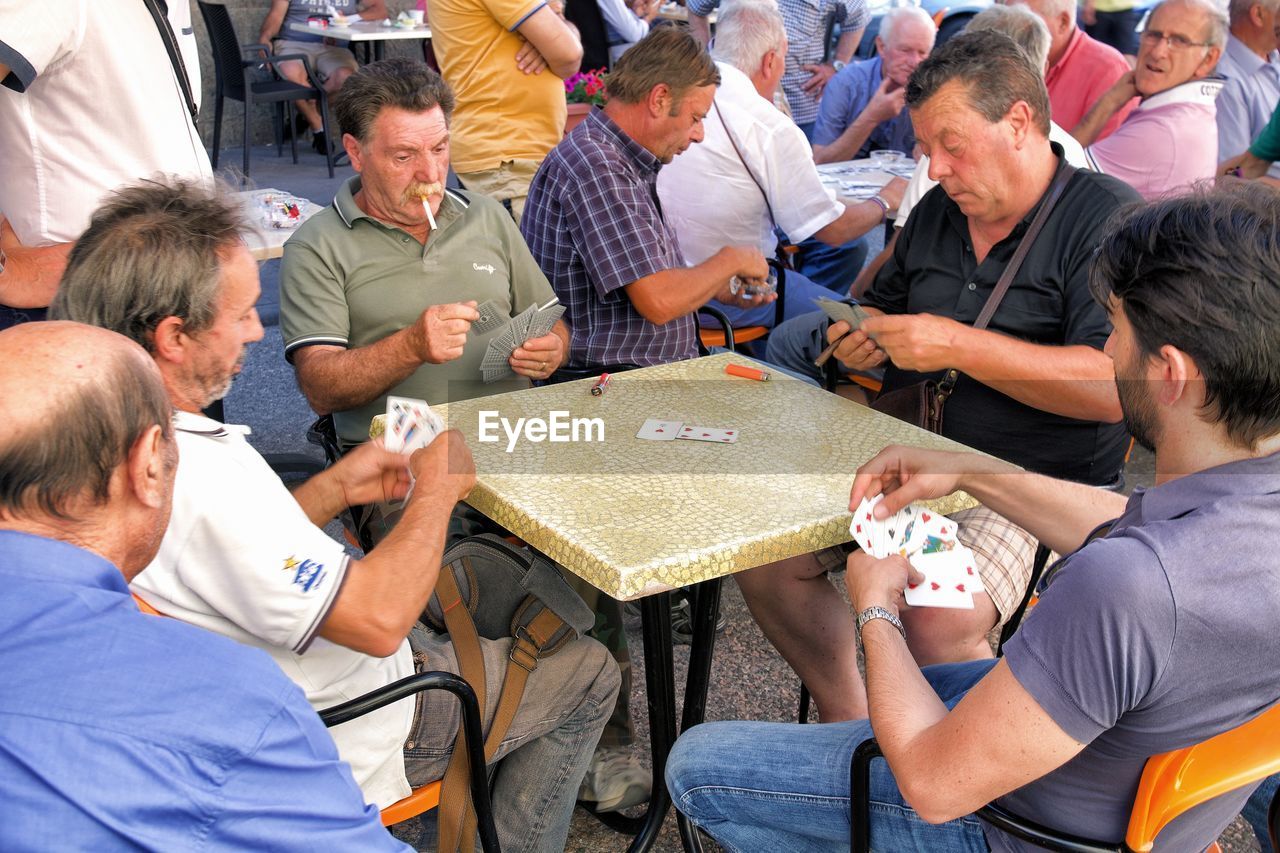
x=864 y=170
x=263 y=241
x=365 y=31
x=639 y=518
x=677 y=12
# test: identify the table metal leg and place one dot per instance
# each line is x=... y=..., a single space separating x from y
x=705 y=608
x=659 y=677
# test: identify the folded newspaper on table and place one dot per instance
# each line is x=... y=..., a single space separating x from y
x=533 y=322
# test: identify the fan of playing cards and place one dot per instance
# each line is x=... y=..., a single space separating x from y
x=411 y=425
x=533 y=322
x=929 y=541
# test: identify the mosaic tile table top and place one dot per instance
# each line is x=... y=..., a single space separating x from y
x=636 y=517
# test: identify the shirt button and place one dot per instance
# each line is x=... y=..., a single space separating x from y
x=404 y=239
x=973 y=286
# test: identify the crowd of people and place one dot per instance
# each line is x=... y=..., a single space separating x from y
x=1072 y=178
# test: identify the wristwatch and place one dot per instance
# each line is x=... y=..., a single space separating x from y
x=838 y=64
x=878 y=612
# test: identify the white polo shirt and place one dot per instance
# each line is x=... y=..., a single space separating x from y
x=241 y=558
x=708 y=195
x=921 y=183
x=91 y=102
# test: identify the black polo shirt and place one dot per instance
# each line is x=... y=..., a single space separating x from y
x=933 y=270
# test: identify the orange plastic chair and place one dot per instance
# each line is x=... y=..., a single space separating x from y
x=1171 y=784
x=426 y=797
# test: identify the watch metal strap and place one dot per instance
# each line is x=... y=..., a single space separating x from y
x=876 y=612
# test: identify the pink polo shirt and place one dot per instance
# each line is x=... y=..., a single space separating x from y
x=1076 y=81
x=1168 y=141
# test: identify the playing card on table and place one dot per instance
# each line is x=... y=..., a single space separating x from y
x=660 y=430
x=851 y=314
x=719 y=436
x=411 y=425
x=492 y=316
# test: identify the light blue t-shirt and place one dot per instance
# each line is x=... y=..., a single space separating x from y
x=121 y=730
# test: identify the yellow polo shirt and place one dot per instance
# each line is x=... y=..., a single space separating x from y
x=502 y=113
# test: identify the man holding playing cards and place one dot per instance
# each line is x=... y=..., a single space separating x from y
x=1148 y=636
x=400 y=286
x=1034 y=386
x=246 y=558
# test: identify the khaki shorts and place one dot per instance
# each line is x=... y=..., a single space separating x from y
x=1004 y=551
x=509 y=182
x=325 y=58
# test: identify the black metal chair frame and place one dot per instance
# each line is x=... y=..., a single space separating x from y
x=471 y=727
x=233 y=79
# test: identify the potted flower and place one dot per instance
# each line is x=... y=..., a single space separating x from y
x=583 y=91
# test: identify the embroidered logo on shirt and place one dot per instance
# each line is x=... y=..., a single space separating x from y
x=307 y=574
x=486 y=268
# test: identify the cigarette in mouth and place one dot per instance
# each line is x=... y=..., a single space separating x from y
x=426 y=206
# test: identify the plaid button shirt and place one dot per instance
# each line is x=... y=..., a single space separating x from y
x=806 y=23
x=594 y=225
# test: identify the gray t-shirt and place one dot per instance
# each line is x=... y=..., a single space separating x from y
x=300 y=10
x=1156 y=637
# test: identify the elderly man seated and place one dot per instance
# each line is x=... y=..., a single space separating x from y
x=753 y=171
x=1134 y=648
x=1251 y=65
x=245 y=558
x=1034 y=386
x=862 y=109
x=122 y=730
x=1170 y=140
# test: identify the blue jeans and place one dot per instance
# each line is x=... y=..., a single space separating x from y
x=796 y=343
x=783 y=786
x=832 y=267
x=800 y=296
x=807 y=129
x=1255 y=811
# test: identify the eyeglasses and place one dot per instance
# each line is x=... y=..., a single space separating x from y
x=1175 y=41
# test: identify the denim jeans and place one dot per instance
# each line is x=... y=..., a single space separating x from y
x=783 y=786
x=832 y=267
x=1255 y=811
x=796 y=343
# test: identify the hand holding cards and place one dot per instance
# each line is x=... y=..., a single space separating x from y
x=929 y=542
x=534 y=322
x=411 y=425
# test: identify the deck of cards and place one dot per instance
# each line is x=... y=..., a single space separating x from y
x=411 y=425
x=929 y=542
x=851 y=314
x=533 y=322
x=659 y=430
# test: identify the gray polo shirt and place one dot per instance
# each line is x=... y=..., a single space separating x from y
x=349 y=280
x=1158 y=636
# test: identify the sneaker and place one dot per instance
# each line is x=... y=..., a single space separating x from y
x=615 y=780
x=682 y=622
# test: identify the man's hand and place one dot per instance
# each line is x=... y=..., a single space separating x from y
x=538 y=358
x=856 y=351
x=1248 y=166
x=820 y=75
x=1122 y=91
x=906 y=474
x=753 y=271
x=441 y=332
x=920 y=342
x=529 y=61
x=889 y=100
x=872 y=582
x=372 y=474
x=1088 y=13
x=893 y=192
x=444 y=466
x=647 y=10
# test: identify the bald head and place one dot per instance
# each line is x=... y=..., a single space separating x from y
x=1060 y=17
x=79 y=403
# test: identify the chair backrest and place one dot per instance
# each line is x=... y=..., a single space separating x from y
x=228 y=71
x=1174 y=782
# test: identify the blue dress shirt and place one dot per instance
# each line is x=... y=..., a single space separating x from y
x=844 y=99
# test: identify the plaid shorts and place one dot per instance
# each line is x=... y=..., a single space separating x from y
x=1004 y=551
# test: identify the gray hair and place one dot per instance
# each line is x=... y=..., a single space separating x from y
x=898 y=14
x=401 y=83
x=1239 y=9
x=1215 y=19
x=1048 y=8
x=1025 y=27
x=74 y=448
x=746 y=31
x=152 y=250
